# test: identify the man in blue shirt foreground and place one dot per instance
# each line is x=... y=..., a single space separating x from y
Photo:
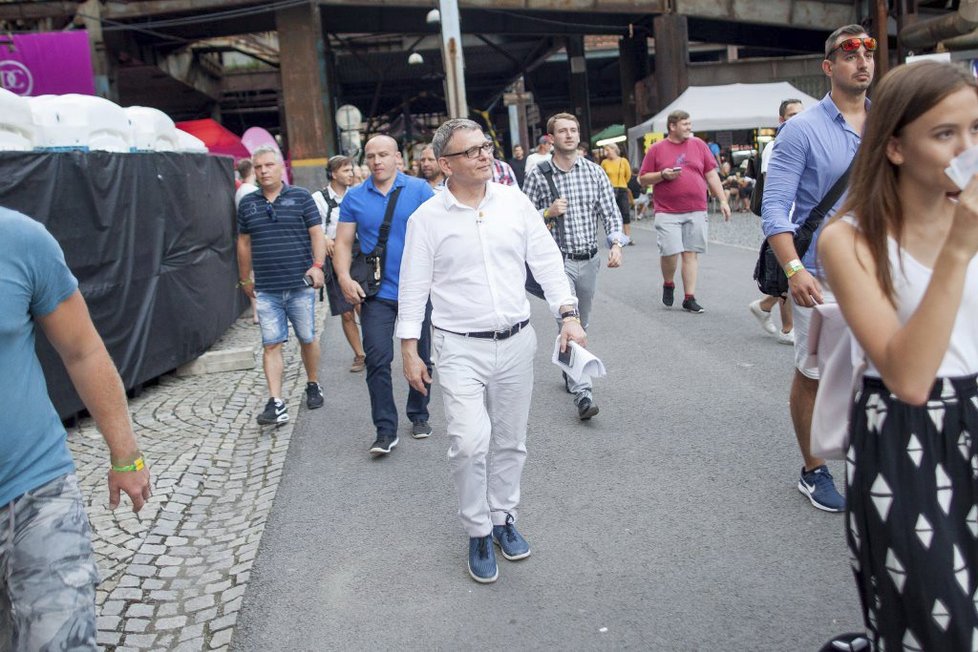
x=361 y=216
x=810 y=153
x=47 y=569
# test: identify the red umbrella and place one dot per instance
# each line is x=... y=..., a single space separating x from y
x=218 y=139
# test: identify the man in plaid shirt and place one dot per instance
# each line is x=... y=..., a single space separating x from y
x=584 y=194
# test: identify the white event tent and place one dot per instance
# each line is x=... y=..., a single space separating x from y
x=721 y=108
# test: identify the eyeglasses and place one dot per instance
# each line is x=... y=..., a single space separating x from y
x=270 y=211
x=486 y=148
x=852 y=44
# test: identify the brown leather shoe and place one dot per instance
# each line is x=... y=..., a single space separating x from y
x=359 y=364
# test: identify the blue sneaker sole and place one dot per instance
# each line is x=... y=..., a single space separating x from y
x=817 y=505
x=484 y=580
x=514 y=557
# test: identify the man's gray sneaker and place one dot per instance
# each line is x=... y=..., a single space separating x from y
x=420 y=429
x=383 y=445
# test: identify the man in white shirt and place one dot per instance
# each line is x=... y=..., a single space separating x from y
x=541 y=154
x=246 y=170
x=468 y=248
x=339 y=172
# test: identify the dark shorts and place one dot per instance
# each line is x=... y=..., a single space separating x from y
x=337 y=302
x=621 y=198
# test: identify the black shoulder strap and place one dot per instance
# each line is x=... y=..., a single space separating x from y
x=331 y=203
x=385 y=228
x=547 y=170
x=828 y=201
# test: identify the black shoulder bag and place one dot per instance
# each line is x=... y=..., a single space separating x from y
x=770 y=276
x=367 y=269
x=547 y=170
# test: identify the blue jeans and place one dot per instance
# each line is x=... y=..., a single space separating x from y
x=377 y=323
x=276 y=309
x=47 y=570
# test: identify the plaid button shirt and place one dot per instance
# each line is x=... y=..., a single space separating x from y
x=589 y=194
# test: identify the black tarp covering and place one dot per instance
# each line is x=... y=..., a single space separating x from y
x=150 y=237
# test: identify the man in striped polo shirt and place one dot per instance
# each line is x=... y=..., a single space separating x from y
x=280 y=236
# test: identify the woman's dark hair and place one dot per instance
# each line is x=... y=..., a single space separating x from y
x=901 y=97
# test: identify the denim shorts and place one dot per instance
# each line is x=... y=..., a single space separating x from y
x=276 y=309
x=47 y=570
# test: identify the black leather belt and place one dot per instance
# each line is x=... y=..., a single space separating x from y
x=588 y=256
x=493 y=335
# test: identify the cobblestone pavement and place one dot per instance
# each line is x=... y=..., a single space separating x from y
x=174 y=575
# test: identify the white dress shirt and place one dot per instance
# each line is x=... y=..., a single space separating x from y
x=472 y=263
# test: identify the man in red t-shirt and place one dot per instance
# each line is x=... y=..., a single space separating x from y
x=681 y=168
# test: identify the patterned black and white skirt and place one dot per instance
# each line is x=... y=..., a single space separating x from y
x=912 y=515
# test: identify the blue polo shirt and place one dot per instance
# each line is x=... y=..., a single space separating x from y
x=281 y=246
x=811 y=152
x=34 y=280
x=365 y=206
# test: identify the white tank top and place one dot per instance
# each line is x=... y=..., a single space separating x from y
x=909 y=283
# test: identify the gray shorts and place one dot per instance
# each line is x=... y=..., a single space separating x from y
x=47 y=570
x=679 y=232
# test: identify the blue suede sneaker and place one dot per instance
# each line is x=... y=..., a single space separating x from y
x=511 y=543
x=482 y=560
x=817 y=484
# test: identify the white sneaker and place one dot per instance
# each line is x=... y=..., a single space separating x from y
x=763 y=317
x=786 y=338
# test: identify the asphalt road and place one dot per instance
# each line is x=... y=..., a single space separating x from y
x=669 y=522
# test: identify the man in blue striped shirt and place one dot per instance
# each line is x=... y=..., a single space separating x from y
x=280 y=236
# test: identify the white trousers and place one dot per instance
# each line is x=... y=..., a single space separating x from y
x=486 y=386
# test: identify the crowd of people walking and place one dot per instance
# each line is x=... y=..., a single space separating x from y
x=440 y=263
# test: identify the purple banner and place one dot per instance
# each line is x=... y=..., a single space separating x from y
x=49 y=63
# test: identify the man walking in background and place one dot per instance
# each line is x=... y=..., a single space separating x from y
x=584 y=196
x=681 y=168
x=761 y=309
x=280 y=236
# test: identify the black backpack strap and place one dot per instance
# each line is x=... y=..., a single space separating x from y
x=547 y=170
x=828 y=201
x=332 y=205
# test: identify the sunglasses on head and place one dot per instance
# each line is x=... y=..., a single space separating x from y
x=852 y=44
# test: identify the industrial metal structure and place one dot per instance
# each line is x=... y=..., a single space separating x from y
x=288 y=64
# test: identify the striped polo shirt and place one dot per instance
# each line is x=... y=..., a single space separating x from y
x=281 y=246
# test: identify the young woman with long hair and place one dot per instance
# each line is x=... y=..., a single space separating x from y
x=900 y=259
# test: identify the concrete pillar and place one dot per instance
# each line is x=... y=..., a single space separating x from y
x=305 y=93
x=671 y=57
x=103 y=68
x=633 y=57
x=579 y=92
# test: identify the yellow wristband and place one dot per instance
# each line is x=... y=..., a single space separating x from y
x=137 y=465
x=792 y=267
x=545 y=210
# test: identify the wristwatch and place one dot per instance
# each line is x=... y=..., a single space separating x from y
x=568 y=314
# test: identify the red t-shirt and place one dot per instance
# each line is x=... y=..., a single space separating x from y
x=687 y=193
